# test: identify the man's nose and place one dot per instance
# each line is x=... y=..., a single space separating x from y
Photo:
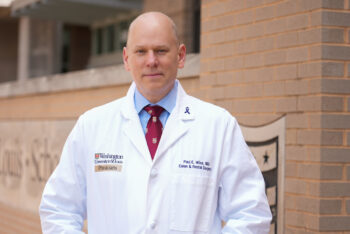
x=152 y=59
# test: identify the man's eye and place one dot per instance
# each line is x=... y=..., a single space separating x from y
x=161 y=51
x=140 y=51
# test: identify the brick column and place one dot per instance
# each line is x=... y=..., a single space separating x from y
x=264 y=59
x=23 y=48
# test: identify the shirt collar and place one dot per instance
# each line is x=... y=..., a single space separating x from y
x=168 y=102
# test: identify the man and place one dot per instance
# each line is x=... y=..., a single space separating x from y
x=180 y=166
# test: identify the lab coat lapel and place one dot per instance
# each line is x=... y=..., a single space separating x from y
x=132 y=127
x=178 y=123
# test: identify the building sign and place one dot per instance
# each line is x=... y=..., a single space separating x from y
x=267 y=144
x=29 y=152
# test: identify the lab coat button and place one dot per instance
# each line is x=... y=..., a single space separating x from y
x=153 y=225
x=154 y=172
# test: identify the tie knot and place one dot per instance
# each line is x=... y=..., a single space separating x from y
x=154 y=110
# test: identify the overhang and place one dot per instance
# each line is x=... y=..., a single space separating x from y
x=5 y=3
x=73 y=11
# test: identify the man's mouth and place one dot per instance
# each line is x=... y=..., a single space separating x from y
x=153 y=74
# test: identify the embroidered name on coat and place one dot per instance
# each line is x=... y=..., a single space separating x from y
x=195 y=164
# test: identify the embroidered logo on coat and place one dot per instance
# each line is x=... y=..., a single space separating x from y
x=108 y=162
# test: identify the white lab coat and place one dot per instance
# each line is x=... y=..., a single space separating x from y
x=202 y=173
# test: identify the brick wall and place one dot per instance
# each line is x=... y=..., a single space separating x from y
x=13 y=220
x=261 y=59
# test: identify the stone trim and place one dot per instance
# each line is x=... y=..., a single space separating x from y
x=85 y=79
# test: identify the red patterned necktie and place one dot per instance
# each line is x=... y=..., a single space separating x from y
x=154 y=128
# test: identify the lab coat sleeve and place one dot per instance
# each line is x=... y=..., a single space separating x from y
x=242 y=200
x=63 y=204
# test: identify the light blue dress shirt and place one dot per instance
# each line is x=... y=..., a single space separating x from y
x=168 y=103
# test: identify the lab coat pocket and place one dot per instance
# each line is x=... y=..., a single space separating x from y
x=191 y=203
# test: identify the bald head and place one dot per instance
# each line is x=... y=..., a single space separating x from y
x=155 y=19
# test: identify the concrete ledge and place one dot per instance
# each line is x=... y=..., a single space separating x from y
x=90 y=78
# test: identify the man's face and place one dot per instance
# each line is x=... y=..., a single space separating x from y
x=153 y=56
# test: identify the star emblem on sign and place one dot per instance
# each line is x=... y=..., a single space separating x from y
x=266 y=157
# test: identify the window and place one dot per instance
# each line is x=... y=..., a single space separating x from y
x=65 y=50
x=196 y=25
x=110 y=38
x=123 y=30
x=99 y=41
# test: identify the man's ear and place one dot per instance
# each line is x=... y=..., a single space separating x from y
x=125 y=59
x=181 y=56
